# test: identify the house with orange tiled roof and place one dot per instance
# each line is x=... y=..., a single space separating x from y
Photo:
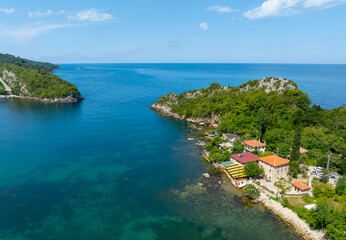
x=252 y=145
x=275 y=167
x=300 y=187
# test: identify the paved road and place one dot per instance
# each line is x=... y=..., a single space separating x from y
x=7 y=88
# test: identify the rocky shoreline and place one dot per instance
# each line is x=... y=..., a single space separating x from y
x=68 y=99
x=166 y=110
x=291 y=218
x=287 y=215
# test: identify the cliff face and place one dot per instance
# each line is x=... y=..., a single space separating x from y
x=12 y=81
x=21 y=89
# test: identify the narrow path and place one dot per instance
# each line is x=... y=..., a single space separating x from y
x=7 y=88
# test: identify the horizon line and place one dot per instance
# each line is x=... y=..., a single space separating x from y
x=197 y=63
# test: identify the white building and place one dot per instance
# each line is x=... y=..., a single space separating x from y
x=252 y=145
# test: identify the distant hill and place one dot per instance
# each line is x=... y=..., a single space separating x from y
x=28 y=64
x=35 y=80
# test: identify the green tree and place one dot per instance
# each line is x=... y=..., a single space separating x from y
x=284 y=150
x=322 y=215
x=252 y=169
x=251 y=191
x=215 y=85
x=238 y=147
x=323 y=190
x=325 y=175
x=294 y=169
x=295 y=153
x=261 y=121
x=341 y=186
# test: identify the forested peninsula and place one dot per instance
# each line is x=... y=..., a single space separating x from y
x=22 y=78
x=285 y=107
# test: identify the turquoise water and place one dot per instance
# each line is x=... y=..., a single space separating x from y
x=111 y=168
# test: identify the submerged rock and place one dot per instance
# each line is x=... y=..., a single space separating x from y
x=206 y=175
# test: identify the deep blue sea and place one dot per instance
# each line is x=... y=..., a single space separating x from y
x=111 y=168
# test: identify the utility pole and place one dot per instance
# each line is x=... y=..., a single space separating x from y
x=328 y=162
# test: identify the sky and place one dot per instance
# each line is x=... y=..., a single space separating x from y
x=175 y=31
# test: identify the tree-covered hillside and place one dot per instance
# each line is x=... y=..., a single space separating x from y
x=25 y=63
x=36 y=83
x=279 y=107
x=2 y=89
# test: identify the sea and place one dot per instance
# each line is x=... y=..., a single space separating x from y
x=109 y=167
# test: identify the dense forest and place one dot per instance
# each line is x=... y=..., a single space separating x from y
x=2 y=89
x=7 y=58
x=36 y=83
x=33 y=79
x=282 y=110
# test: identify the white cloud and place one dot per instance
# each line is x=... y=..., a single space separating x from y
x=7 y=10
x=93 y=15
x=288 y=7
x=204 y=26
x=273 y=8
x=323 y=3
x=220 y=9
x=47 y=13
x=25 y=34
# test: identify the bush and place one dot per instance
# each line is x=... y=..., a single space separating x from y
x=252 y=192
x=341 y=186
x=323 y=190
x=252 y=169
x=307 y=199
x=238 y=148
x=285 y=202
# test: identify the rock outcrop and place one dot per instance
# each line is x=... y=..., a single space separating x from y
x=269 y=84
x=166 y=110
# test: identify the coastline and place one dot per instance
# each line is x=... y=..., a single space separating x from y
x=166 y=110
x=68 y=99
x=291 y=218
x=285 y=214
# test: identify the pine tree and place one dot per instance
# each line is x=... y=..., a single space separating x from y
x=295 y=153
x=261 y=120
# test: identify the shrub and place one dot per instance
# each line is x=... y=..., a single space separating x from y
x=251 y=191
x=323 y=190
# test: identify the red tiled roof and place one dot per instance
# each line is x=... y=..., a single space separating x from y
x=274 y=160
x=300 y=185
x=245 y=157
x=254 y=143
